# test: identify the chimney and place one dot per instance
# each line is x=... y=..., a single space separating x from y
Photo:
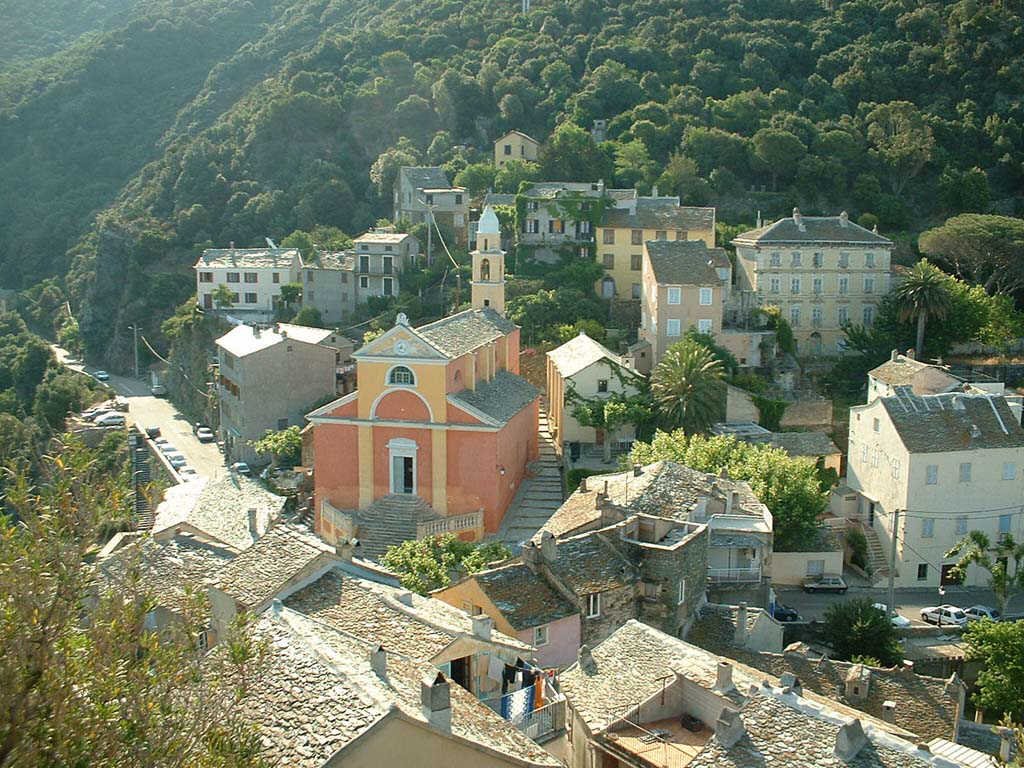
x=912 y=353
x=907 y=668
x=889 y=711
x=404 y=597
x=482 y=626
x=379 y=662
x=791 y=683
x=654 y=190
x=798 y=219
x=585 y=658
x=231 y=245
x=531 y=555
x=858 y=682
x=548 y=547
x=254 y=526
x=740 y=638
x=844 y=219
x=255 y=331
x=875 y=229
x=637 y=470
x=759 y=222
x=894 y=355
x=583 y=485
x=723 y=682
x=850 y=739
x=1005 y=744
x=729 y=728
x=436 y=698
x=600 y=185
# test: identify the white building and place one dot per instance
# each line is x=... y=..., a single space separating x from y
x=948 y=463
x=254 y=276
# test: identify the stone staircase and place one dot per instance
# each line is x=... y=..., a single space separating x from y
x=540 y=494
x=878 y=558
x=389 y=521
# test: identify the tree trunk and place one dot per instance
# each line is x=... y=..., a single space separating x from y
x=607 y=447
x=922 y=318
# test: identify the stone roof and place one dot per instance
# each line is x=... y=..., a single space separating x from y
x=499 y=399
x=580 y=352
x=983 y=738
x=663 y=489
x=463 y=332
x=219 y=508
x=685 y=262
x=810 y=444
x=961 y=755
x=334 y=260
x=255 y=258
x=316 y=693
x=927 y=706
x=163 y=569
x=591 y=562
x=375 y=613
x=523 y=596
x=499 y=198
x=923 y=378
x=952 y=422
x=424 y=176
x=661 y=213
x=813 y=229
x=263 y=569
x=387 y=238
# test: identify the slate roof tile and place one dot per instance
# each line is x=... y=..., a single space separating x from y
x=660 y=213
x=685 y=262
x=952 y=422
x=830 y=229
x=463 y=332
x=501 y=398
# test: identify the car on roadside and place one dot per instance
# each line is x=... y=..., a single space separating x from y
x=896 y=620
x=99 y=413
x=940 y=615
x=112 y=419
x=241 y=468
x=188 y=473
x=782 y=612
x=101 y=376
x=205 y=435
x=175 y=459
x=166 y=447
x=153 y=432
x=158 y=390
x=826 y=582
x=977 y=612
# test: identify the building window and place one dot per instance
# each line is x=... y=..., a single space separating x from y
x=704 y=326
x=931 y=474
x=458 y=199
x=364 y=247
x=1004 y=526
x=869 y=315
x=235 y=298
x=206 y=277
x=252 y=277
x=705 y=297
x=1009 y=470
x=364 y=281
x=430 y=198
x=660 y=234
x=508 y=149
x=869 y=260
x=232 y=277
x=680 y=234
x=310 y=276
x=309 y=296
x=797 y=259
x=844 y=286
x=636 y=237
x=602 y=385
x=675 y=295
x=672 y=328
x=818 y=260
x=388 y=264
x=681 y=597
x=609 y=237
x=815 y=567
x=593 y=605
x=869 y=285
x=928 y=528
x=775 y=259
x=843 y=316
x=402 y=464
x=844 y=260
x=540 y=636
x=389 y=286
x=609 y=260
x=961 y=525
x=556 y=226
x=282 y=423
x=794 y=316
x=875 y=426
x=636 y=291
x=250 y=298
x=816 y=316
x=794 y=285
x=635 y=262
x=816 y=286
x=402 y=376
x=774 y=285
x=922 y=572
x=965 y=472
x=275 y=278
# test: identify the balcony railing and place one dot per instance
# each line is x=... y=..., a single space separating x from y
x=734 y=575
x=453 y=524
x=538 y=724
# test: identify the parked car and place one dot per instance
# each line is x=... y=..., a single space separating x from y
x=205 y=435
x=152 y=432
x=944 y=614
x=897 y=620
x=976 y=612
x=241 y=468
x=166 y=447
x=101 y=376
x=198 y=426
x=100 y=413
x=782 y=612
x=827 y=582
x=187 y=473
x=158 y=390
x=112 y=419
x=176 y=459
x=120 y=404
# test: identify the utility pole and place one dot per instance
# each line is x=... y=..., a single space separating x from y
x=892 y=565
x=430 y=238
x=135 y=347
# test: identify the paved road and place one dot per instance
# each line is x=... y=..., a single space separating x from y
x=144 y=410
x=909 y=602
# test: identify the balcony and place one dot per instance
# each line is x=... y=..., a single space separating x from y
x=735 y=575
x=540 y=724
x=453 y=524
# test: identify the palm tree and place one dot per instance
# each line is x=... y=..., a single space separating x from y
x=976 y=549
x=687 y=387
x=922 y=295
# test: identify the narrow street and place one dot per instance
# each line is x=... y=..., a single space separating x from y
x=144 y=411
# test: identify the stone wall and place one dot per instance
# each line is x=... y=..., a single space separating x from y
x=666 y=568
x=807 y=412
x=617 y=607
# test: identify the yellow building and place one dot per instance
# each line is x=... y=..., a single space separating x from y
x=515 y=145
x=623 y=232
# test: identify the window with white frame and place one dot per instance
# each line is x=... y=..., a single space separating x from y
x=705 y=297
x=816 y=316
x=540 y=635
x=869 y=285
x=816 y=285
x=1009 y=470
x=797 y=258
x=843 y=315
x=672 y=328
x=819 y=259
x=1004 y=525
x=869 y=315
x=675 y=295
x=774 y=285
x=875 y=424
x=815 y=567
x=250 y=298
x=844 y=259
x=869 y=260
x=927 y=527
x=931 y=474
x=961 y=525
x=965 y=472
x=775 y=259
x=794 y=316
x=593 y=605
x=402 y=376
x=844 y=286
x=794 y=285
x=704 y=326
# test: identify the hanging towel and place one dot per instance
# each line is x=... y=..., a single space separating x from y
x=495 y=668
x=538 y=692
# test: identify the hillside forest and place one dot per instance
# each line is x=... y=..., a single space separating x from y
x=136 y=133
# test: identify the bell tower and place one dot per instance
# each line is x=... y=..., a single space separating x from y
x=488 y=283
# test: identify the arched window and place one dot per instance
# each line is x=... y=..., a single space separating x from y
x=401 y=375
x=485 y=269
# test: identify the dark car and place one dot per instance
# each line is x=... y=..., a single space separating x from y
x=782 y=612
x=153 y=432
x=828 y=582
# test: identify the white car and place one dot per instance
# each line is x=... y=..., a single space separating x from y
x=176 y=459
x=112 y=419
x=166 y=447
x=976 y=612
x=97 y=415
x=897 y=620
x=187 y=474
x=948 y=615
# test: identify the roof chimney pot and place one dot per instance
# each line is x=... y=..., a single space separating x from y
x=729 y=728
x=850 y=740
x=723 y=681
x=483 y=626
x=379 y=662
x=548 y=547
x=436 y=698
